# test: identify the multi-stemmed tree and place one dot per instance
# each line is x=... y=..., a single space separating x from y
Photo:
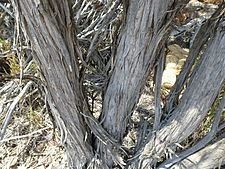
x=109 y=48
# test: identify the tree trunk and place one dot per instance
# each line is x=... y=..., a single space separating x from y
x=194 y=104
x=140 y=43
x=50 y=29
x=139 y=46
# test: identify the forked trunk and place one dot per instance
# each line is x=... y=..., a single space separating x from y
x=49 y=26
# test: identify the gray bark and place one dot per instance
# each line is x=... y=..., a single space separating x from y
x=201 y=143
x=49 y=26
x=140 y=43
x=210 y=157
x=143 y=37
x=50 y=29
x=201 y=39
x=194 y=104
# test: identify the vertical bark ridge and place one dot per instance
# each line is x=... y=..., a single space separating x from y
x=140 y=42
x=194 y=104
x=49 y=27
x=139 y=46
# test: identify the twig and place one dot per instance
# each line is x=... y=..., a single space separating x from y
x=158 y=108
x=222 y=126
x=12 y=107
x=26 y=135
x=6 y=54
x=6 y=10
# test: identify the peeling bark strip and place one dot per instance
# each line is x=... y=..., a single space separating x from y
x=195 y=102
x=49 y=27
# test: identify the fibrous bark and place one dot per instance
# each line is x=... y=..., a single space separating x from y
x=143 y=37
x=194 y=104
x=140 y=43
x=49 y=26
x=211 y=156
x=50 y=29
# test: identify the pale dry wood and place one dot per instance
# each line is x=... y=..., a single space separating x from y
x=158 y=82
x=139 y=48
